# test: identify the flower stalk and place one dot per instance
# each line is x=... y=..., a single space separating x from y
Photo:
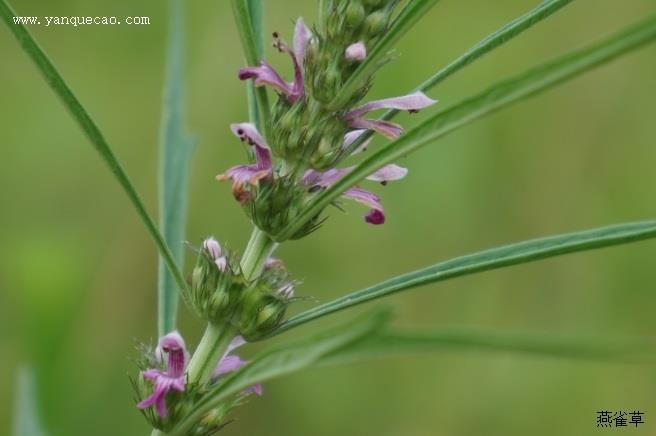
x=211 y=348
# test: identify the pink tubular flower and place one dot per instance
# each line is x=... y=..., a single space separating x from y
x=172 y=378
x=265 y=74
x=214 y=249
x=249 y=174
x=230 y=362
x=386 y=174
x=411 y=102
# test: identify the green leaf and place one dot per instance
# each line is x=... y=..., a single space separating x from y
x=370 y=338
x=90 y=129
x=176 y=149
x=491 y=42
x=255 y=8
x=26 y=416
x=399 y=343
x=282 y=361
x=250 y=31
x=501 y=95
x=523 y=252
x=411 y=13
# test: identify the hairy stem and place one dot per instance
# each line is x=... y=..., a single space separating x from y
x=211 y=348
x=259 y=248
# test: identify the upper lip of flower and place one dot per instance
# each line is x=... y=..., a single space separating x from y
x=265 y=74
x=411 y=102
x=251 y=174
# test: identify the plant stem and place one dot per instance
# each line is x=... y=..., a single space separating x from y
x=259 y=248
x=211 y=348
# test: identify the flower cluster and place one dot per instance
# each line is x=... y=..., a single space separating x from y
x=164 y=384
x=310 y=137
x=220 y=294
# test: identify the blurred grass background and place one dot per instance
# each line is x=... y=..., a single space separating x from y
x=77 y=270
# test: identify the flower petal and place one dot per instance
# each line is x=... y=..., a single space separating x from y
x=356 y=51
x=302 y=36
x=388 y=173
x=385 y=128
x=256 y=389
x=228 y=364
x=248 y=132
x=237 y=342
x=411 y=102
x=213 y=248
x=265 y=74
x=326 y=178
x=351 y=137
x=243 y=174
x=362 y=196
x=375 y=217
x=221 y=263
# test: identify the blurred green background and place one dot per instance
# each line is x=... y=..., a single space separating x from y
x=77 y=270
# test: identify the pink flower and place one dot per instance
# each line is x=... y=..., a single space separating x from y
x=249 y=174
x=388 y=173
x=265 y=74
x=411 y=102
x=172 y=378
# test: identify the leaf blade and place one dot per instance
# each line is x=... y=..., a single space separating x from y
x=495 y=258
x=494 y=98
x=176 y=149
x=395 y=342
x=248 y=17
x=90 y=129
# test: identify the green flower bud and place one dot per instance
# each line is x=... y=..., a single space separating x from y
x=270 y=316
x=355 y=14
x=376 y=23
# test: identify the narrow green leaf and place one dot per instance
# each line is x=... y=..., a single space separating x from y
x=399 y=343
x=256 y=12
x=26 y=416
x=90 y=129
x=501 y=95
x=176 y=148
x=282 y=361
x=491 y=42
x=411 y=13
x=370 y=338
x=249 y=27
x=523 y=252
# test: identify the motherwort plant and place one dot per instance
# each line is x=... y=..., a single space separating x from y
x=298 y=152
